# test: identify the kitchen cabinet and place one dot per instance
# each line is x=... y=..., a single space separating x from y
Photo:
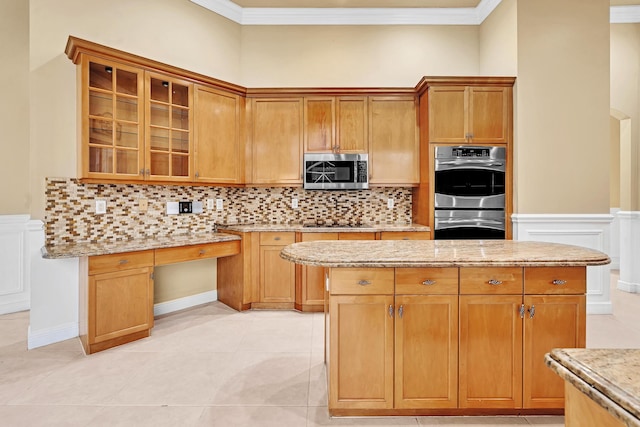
x=112 y=117
x=335 y=124
x=405 y=235
x=276 y=275
x=277 y=140
x=310 y=282
x=394 y=151
x=470 y=114
x=218 y=142
x=360 y=365
x=426 y=338
x=116 y=299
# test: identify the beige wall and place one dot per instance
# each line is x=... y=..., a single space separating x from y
x=498 y=41
x=625 y=98
x=176 y=32
x=356 y=56
x=14 y=107
x=562 y=107
x=184 y=279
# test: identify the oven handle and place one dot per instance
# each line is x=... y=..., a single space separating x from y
x=475 y=221
x=470 y=162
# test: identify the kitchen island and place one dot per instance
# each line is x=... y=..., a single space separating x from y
x=448 y=327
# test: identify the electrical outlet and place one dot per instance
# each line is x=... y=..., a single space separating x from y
x=219 y=204
x=143 y=205
x=209 y=203
x=101 y=207
x=389 y=203
x=294 y=203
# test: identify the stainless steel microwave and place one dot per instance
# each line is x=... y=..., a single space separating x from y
x=328 y=171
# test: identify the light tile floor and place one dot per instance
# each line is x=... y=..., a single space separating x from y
x=213 y=366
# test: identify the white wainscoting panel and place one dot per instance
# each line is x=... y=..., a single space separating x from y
x=588 y=230
x=185 y=302
x=629 y=251
x=15 y=292
x=614 y=253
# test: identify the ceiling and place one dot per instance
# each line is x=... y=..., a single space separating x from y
x=378 y=3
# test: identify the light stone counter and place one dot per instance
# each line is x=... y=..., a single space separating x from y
x=610 y=377
x=441 y=253
x=112 y=247
x=328 y=228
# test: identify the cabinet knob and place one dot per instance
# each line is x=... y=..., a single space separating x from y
x=400 y=311
x=202 y=251
x=123 y=261
x=522 y=311
x=390 y=311
x=559 y=282
x=532 y=311
x=495 y=282
x=276 y=238
x=197 y=175
x=364 y=282
x=429 y=282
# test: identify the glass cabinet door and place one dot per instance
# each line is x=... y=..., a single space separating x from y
x=169 y=128
x=112 y=103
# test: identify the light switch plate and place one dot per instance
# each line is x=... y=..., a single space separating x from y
x=294 y=203
x=389 y=203
x=209 y=203
x=101 y=207
x=219 y=204
x=172 y=208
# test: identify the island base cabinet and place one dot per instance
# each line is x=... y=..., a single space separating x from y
x=361 y=352
x=556 y=321
x=426 y=351
x=490 y=351
x=581 y=411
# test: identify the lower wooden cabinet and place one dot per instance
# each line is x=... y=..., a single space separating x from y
x=116 y=299
x=276 y=275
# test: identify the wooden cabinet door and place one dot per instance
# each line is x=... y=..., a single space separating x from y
x=361 y=352
x=394 y=153
x=169 y=128
x=276 y=135
x=448 y=119
x=319 y=124
x=218 y=148
x=312 y=277
x=277 y=276
x=120 y=303
x=551 y=321
x=351 y=124
x=112 y=145
x=489 y=114
x=426 y=352
x=490 y=351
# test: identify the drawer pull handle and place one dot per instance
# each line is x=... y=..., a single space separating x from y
x=391 y=311
x=559 y=282
x=123 y=261
x=400 y=311
x=276 y=238
x=202 y=251
x=364 y=282
x=495 y=282
x=532 y=311
x=522 y=311
x=429 y=282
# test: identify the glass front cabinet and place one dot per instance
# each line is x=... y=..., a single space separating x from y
x=136 y=125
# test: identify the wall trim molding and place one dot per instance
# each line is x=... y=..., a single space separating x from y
x=629 y=223
x=586 y=230
x=350 y=16
x=185 y=302
x=52 y=335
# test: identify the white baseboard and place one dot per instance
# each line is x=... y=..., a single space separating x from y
x=185 y=302
x=52 y=335
x=586 y=230
x=628 y=286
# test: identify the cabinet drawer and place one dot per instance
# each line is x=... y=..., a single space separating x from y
x=555 y=280
x=360 y=281
x=118 y=262
x=491 y=280
x=356 y=235
x=194 y=252
x=405 y=235
x=277 y=238
x=417 y=281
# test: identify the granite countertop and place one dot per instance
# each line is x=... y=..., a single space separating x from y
x=610 y=377
x=104 y=248
x=441 y=253
x=324 y=228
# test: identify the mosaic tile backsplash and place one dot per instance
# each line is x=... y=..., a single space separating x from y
x=70 y=209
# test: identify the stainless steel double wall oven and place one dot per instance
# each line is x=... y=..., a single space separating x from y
x=470 y=192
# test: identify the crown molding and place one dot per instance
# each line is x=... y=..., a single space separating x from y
x=624 y=14
x=351 y=16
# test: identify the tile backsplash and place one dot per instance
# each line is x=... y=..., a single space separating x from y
x=70 y=209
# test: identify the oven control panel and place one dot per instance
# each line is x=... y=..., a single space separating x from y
x=470 y=152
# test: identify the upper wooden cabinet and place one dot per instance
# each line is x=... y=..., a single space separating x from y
x=335 y=124
x=470 y=113
x=112 y=117
x=218 y=145
x=276 y=138
x=394 y=151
